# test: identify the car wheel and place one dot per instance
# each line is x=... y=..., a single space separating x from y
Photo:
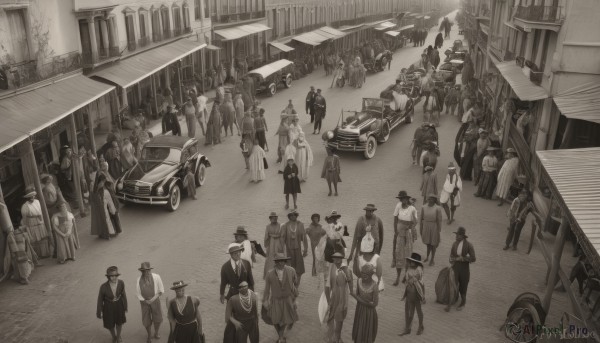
x=385 y=133
x=174 y=198
x=371 y=148
x=288 y=82
x=272 y=90
x=200 y=175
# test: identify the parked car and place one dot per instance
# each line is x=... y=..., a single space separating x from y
x=157 y=178
x=450 y=69
x=271 y=76
x=379 y=63
x=367 y=127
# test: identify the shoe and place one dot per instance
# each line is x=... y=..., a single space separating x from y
x=420 y=331
x=157 y=336
x=406 y=332
x=460 y=307
x=505 y=248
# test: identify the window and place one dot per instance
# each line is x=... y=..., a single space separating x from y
x=156 y=32
x=14 y=35
x=166 y=22
x=130 y=29
x=197 y=10
x=186 y=17
x=176 y=21
x=86 y=44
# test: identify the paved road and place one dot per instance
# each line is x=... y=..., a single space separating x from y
x=190 y=244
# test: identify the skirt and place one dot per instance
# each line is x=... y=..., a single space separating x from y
x=403 y=248
x=283 y=311
x=185 y=334
x=296 y=260
x=365 y=325
x=113 y=313
x=431 y=234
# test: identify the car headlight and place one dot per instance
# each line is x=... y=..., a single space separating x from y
x=160 y=191
x=120 y=186
x=362 y=138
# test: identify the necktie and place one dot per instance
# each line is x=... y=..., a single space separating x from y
x=237 y=269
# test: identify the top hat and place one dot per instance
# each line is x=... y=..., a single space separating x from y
x=415 y=258
x=370 y=207
x=145 y=266
x=451 y=165
x=178 y=284
x=273 y=214
x=112 y=271
x=338 y=255
x=241 y=230
x=281 y=257
x=30 y=192
x=293 y=213
x=402 y=195
x=233 y=247
x=461 y=231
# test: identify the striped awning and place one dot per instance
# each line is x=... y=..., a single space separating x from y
x=521 y=85
x=580 y=102
x=241 y=31
x=281 y=46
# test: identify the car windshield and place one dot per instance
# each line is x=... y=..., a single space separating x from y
x=372 y=104
x=159 y=153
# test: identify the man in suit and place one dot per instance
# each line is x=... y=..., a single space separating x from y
x=234 y=271
x=462 y=254
x=310 y=103
x=320 y=110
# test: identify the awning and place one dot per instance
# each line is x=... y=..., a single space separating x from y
x=271 y=68
x=212 y=47
x=30 y=112
x=521 y=85
x=427 y=17
x=134 y=69
x=241 y=31
x=385 y=25
x=406 y=27
x=351 y=27
x=281 y=46
x=318 y=36
x=580 y=102
x=392 y=33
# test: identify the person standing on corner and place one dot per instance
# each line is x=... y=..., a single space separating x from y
x=450 y=195
x=291 y=183
x=310 y=103
x=149 y=288
x=462 y=254
x=517 y=216
x=320 y=111
x=31 y=213
x=234 y=271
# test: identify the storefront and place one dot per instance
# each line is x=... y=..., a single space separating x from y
x=244 y=42
x=325 y=38
x=281 y=50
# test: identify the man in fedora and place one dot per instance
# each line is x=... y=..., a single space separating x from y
x=310 y=103
x=235 y=271
x=149 y=288
x=462 y=254
x=295 y=240
x=450 y=195
x=338 y=287
x=241 y=238
x=279 y=297
x=369 y=224
x=241 y=317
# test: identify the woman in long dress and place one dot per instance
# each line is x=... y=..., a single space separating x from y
x=291 y=183
x=31 y=213
x=361 y=73
x=67 y=239
x=273 y=242
x=284 y=139
x=331 y=170
x=429 y=183
x=238 y=103
x=102 y=208
x=430 y=226
x=507 y=175
x=228 y=114
x=369 y=257
x=213 y=127
x=184 y=316
x=256 y=161
x=112 y=304
x=304 y=157
x=366 y=322
x=405 y=233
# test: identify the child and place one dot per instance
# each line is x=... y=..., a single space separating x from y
x=189 y=183
x=315 y=231
x=414 y=294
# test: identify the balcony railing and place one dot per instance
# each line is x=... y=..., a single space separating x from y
x=177 y=31
x=156 y=36
x=542 y=14
x=233 y=17
x=142 y=42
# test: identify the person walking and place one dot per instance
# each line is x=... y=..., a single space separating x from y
x=241 y=237
x=489 y=169
x=103 y=208
x=234 y=271
x=331 y=170
x=517 y=216
x=279 y=297
x=507 y=175
x=320 y=111
x=294 y=237
x=368 y=256
x=170 y=122
x=248 y=137
x=364 y=329
x=310 y=103
x=189 y=111
x=260 y=128
x=238 y=103
x=31 y=214
x=450 y=195
x=256 y=163
x=337 y=290
x=452 y=99
x=213 y=126
x=273 y=242
x=241 y=317
x=414 y=294
x=439 y=40
x=184 y=316
x=67 y=238
x=315 y=232
x=201 y=111
x=291 y=183
x=112 y=304
x=431 y=108
x=284 y=138
x=405 y=233
x=228 y=114
x=430 y=226
x=368 y=225
x=149 y=289
x=429 y=183
x=304 y=157
x=462 y=254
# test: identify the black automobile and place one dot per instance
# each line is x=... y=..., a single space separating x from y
x=157 y=178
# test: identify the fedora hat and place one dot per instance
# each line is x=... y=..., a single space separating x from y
x=461 y=231
x=281 y=257
x=30 y=192
x=338 y=255
x=451 y=165
x=415 y=257
x=511 y=151
x=370 y=207
x=293 y=213
x=145 y=266
x=178 y=284
x=112 y=271
x=233 y=247
x=241 y=230
x=402 y=195
x=273 y=215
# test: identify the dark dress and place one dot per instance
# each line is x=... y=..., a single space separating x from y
x=186 y=326
x=365 y=325
x=291 y=186
x=111 y=306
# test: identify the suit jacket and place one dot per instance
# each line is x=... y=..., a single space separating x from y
x=228 y=277
x=106 y=295
x=468 y=252
x=310 y=101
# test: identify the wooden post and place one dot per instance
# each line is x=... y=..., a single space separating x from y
x=202 y=68
x=91 y=128
x=154 y=95
x=180 y=83
x=76 y=165
x=559 y=244
x=38 y=188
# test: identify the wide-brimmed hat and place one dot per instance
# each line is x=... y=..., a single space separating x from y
x=293 y=213
x=30 y=192
x=370 y=207
x=451 y=165
x=241 y=230
x=415 y=257
x=338 y=255
x=112 y=271
x=333 y=214
x=281 y=257
x=178 y=284
x=145 y=266
x=511 y=151
x=461 y=231
x=273 y=214
x=402 y=195
x=233 y=247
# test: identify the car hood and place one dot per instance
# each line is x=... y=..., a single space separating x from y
x=149 y=171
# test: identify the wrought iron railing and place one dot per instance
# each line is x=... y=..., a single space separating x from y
x=26 y=73
x=545 y=14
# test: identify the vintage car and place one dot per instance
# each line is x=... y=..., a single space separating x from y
x=157 y=178
x=379 y=63
x=450 y=69
x=269 y=77
x=367 y=127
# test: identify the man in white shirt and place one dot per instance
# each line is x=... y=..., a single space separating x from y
x=241 y=237
x=149 y=288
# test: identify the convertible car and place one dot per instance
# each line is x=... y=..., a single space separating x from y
x=157 y=178
x=367 y=127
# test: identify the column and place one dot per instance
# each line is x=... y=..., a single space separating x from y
x=76 y=165
x=113 y=38
x=180 y=86
x=93 y=42
x=559 y=243
x=202 y=67
x=528 y=46
x=202 y=14
x=125 y=103
x=5 y=225
x=91 y=133
x=154 y=95
x=104 y=33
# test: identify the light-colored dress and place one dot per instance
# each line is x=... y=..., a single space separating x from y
x=448 y=188
x=202 y=111
x=257 y=165
x=32 y=219
x=273 y=244
x=375 y=262
x=65 y=246
x=304 y=159
x=404 y=233
x=507 y=176
x=431 y=216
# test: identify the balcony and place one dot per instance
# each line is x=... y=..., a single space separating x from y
x=535 y=74
x=88 y=60
x=539 y=17
x=235 y=17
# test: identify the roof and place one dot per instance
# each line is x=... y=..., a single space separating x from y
x=521 y=85
x=30 y=112
x=212 y=47
x=241 y=31
x=580 y=102
x=350 y=27
x=575 y=180
x=134 y=69
x=392 y=33
x=406 y=27
x=320 y=35
x=170 y=141
x=384 y=26
x=271 y=68
x=281 y=46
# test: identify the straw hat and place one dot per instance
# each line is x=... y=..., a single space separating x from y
x=30 y=192
x=241 y=230
x=273 y=215
x=178 y=284
x=462 y=231
x=281 y=257
x=233 y=247
x=415 y=258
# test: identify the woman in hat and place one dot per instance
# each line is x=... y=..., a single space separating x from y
x=414 y=294
x=304 y=157
x=273 y=242
x=284 y=138
x=256 y=162
x=67 y=239
x=338 y=287
x=279 y=297
x=52 y=194
x=450 y=195
x=507 y=175
x=238 y=103
x=469 y=150
x=365 y=325
x=184 y=316
x=315 y=232
x=430 y=226
x=331 y=170
x=112 y=304
x=429 y=183
x=489 y=169
x=241 y=237
x=296 y=243
x=405 y=233
x=102 y=208
x=31 y=212
x=19 y=255
x=291 y=183
x=368 y=256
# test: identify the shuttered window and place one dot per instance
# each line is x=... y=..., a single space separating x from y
x=14 y=35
